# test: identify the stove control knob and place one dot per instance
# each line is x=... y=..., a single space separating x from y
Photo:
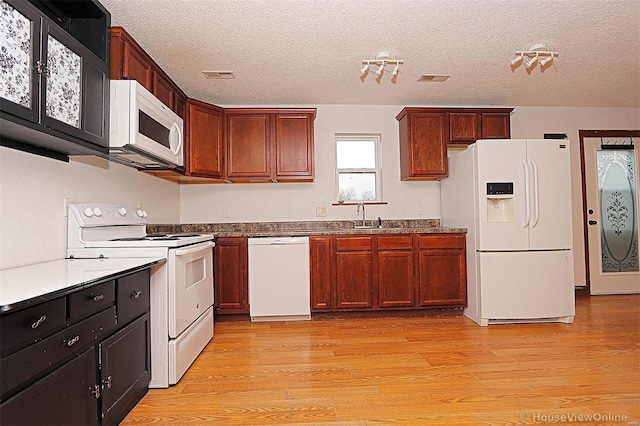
x=140 y=213
x=123 y=212
x=144 y=213
x=97 y=211
x=88 y=212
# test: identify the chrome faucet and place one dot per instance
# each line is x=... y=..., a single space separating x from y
x=364 y=223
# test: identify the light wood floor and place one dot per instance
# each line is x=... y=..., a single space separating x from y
x=413 y=370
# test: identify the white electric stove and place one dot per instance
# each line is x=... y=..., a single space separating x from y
x=181 y=289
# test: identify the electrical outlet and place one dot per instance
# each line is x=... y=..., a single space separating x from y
x=225 y=212
x=67 y=201
x=420 y=209
x=321 y=212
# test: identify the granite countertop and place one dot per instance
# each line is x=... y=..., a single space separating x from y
x=281 y=229
x=44 y=281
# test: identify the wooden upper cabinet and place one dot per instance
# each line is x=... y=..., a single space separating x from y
x=425 y=134
x=464 y=127
x=423 y=144
x=129 y=61
x=204 y=140
x=294 y=147
x=269 y=145
x=248 y=146
x=496 y=125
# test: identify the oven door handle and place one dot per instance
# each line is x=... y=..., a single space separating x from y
x=197 y=248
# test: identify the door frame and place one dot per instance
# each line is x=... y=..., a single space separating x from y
x=594 y=134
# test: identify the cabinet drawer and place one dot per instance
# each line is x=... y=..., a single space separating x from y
x=31 y=324
x=90 y=300
x=133 y=296
x=353 y=243
x=41 y=357
x=438 y=241
x=395 y=242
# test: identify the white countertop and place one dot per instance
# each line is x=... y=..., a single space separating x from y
x=34 y=281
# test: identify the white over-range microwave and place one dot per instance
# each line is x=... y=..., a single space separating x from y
x=144 y=133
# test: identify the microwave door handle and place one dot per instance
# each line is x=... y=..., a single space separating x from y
x=176 y=135
x=191 y=250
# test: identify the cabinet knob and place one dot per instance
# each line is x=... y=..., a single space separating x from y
x=40 y=321
x=95 y=391
x=136 y=293
x=98 y=297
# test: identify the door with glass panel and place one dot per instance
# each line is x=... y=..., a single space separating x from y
x=611 y=182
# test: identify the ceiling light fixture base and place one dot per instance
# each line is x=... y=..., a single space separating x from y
x=536 y=51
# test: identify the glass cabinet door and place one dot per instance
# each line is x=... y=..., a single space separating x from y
x=19 y=53
x=63 y=77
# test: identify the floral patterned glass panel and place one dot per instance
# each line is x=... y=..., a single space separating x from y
x=15 y=56
x=618 y=210
x=63 y=83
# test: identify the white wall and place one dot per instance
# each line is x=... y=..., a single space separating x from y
x=298 y=201
x=32 y=188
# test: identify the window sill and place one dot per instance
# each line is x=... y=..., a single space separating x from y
x=355 y=203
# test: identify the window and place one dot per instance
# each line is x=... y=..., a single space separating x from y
x=358 y=174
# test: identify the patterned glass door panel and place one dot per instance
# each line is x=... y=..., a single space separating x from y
x=16 y=36
x=64 y=76
x=618 y=210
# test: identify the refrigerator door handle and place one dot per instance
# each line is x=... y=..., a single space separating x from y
x=527 y=208
x=536 y=197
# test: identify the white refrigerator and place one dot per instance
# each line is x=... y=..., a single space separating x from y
x=514 y=197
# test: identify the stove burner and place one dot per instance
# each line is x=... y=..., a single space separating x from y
x=128 y=239
x=156 y=235
x=159 y=237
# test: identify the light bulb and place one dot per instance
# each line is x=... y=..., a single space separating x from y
x=546 y=60
x=365 y=68
x=531 y=62
x=395 y=69
x=516 y=59
x=379 y=70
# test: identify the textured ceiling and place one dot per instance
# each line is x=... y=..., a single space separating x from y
x=304 y=52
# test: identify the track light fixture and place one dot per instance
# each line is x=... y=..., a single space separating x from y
x=381 y=61
x=537 y=53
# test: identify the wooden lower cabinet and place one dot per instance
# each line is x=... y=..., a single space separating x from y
x=443 y=270
x=321 y=252
x=387 y=272
x=396 y=275
x=231 y=275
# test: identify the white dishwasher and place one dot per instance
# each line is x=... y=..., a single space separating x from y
x=279 y=283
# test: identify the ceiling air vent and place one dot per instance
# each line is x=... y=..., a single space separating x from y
x=219 y=74
x=436 y=78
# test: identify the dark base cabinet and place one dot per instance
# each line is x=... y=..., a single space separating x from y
x=125 y=370
x=64 y=397
x=87 y=360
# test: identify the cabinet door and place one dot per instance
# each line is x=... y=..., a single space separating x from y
x=294 y=147
x=321 y=252
x=125 y=370
x=423 y=145
x=204 y=140
x=249 y=147
x=230 y=276
x=496 y=125
x=442 y=271
x=163 y=89
x=180 y=104
x=135 y=64
x=68 y=396
x=464 y=127
x=354 y=273
x=20 y=32
x=396 y=277
x=75 y=87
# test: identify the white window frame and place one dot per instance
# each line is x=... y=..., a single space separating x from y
x=377 y=138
